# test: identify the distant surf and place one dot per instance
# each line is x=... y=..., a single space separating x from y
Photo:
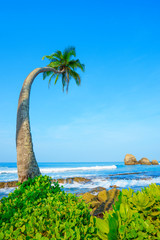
x=56 y=170
x=96 y=168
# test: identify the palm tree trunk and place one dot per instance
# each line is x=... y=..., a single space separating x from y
x=26 y=161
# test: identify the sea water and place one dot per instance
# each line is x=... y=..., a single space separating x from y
x=101 y=174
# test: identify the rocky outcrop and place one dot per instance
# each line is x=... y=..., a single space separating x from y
x=72 y=180
x=144 y=161
x=130 y=160
x=8 y=184
x=155 y=162
x=101 y=202
x=60 y=180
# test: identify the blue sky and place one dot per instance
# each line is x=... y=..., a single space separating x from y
x=115 y=111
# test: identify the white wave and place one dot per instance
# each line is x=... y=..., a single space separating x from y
x=96 y=168
x=106 y=183
x=8 y=171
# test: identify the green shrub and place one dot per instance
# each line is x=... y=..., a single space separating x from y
x=135 y=215
x=37 y=210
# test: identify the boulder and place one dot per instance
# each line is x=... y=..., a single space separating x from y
x=130 y=160
x=102 y=196
x=112 y=196
x=155 y=162
x=144 y=161
x=101 y=202
x=88 y=197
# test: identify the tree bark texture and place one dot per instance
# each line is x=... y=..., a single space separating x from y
x=26 y=161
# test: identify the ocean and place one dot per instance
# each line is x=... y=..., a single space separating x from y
x=101 y=174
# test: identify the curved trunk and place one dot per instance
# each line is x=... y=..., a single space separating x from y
x=26 y=161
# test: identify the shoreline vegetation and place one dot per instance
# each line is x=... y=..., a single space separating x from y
x=40 y=209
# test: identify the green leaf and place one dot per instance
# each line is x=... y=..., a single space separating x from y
x=103 y=228
x=38 y=236
x=1 y=235
x=56 y=79
x=23 y=228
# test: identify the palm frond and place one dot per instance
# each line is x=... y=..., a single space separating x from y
x=54 y=64
x=80 y=65
x=48 y=57
x=76 y=77
x=56 y=79
x=63 y=80
x=46 y=74
x=58 y=54
x=68 y=53
x=49 y=82
x=72 y=64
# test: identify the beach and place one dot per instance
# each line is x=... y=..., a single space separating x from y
x=91 y=175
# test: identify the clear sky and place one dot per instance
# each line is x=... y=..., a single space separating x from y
x=116 y=110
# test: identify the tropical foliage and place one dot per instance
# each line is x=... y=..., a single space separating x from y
x=134 y=215
x=38 y=210
x=63 y=61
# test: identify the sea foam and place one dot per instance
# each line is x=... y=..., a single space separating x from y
x=96 y=168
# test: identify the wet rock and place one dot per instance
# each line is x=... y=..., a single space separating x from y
x=112 y=196
x=88 y=197
x=97 y=190
x=101 y=202
x=102 y=196
x=144 y=161
x=95 y=204
x=130 y=160
x=99 y=210
x=71 y=180
x=8 y=184
x=155 y=162
x=81 y=179
x=114 y=186
x=124 y=174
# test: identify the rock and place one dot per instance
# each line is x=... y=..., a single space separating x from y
x=88 y=197
x=130 y=160
x=102 y=196
x=8 y=184
x=81 y=179
x=97 y=190
x=71 y=180
x=144 y=161
x=112 y=196
x=95 y=204
x=99 y=210
x=101 y=202
x=114 y=186
x=155 y=162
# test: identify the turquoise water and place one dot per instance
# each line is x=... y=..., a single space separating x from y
x=102 y=174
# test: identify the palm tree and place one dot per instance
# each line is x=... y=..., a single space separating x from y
x=61 y=64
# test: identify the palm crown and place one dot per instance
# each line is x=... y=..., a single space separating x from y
x=65 y=63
